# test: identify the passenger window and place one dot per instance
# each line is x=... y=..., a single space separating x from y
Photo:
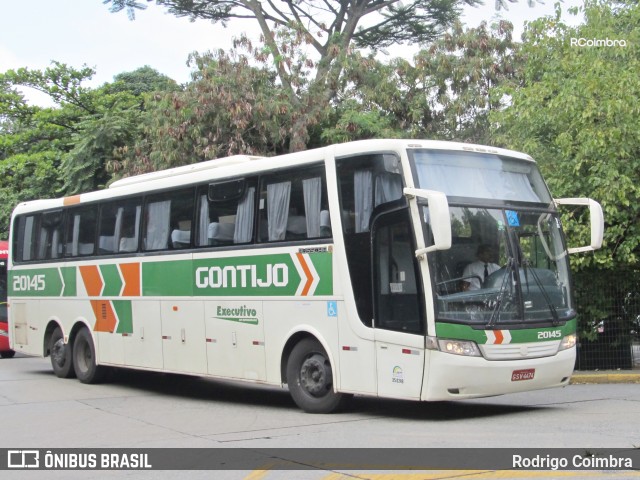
x=25 y=238
x=49 y=238
x=366 y=182
x=223 y=221
x=168 y=220
x=80 y=234
x=294 y=207
x=119 y=226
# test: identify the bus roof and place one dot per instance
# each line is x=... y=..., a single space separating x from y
x=240 y=165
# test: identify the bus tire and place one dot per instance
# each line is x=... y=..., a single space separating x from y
x=60 y=354
x=84 y=358
x=310 y=378
x=7 y=354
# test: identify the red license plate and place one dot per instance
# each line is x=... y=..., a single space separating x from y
x=527 y=374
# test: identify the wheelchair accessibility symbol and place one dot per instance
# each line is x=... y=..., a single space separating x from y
x=332 y=309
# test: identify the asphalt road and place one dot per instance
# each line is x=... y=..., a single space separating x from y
x=149 y=410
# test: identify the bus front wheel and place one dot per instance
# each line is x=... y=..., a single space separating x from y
x=310 y=378
x=60 y=353
x=84 y=358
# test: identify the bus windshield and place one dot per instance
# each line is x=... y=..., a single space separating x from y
x=507 y=263
x=504 y=266
x=479 y=175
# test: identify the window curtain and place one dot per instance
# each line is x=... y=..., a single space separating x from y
x=76 y=235
x=55 y=243
x=137 y=227
x=117 y=231
x=42 y=243
x=362 y=188
x=278 y=197
x=203 y=221
x=388 y=188
x=244 y=217
x=28 y=236
x=312 y=191
x=158 y=225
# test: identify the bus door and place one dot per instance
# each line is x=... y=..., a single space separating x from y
x=398 y=311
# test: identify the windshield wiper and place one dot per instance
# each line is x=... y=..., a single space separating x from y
x=502 y=292
x=545 y=295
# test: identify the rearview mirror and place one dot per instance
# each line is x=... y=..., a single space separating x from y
x=439 y=218
x=596 y=219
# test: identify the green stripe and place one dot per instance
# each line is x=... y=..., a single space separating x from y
x=125 y=315
x=112 y=280
x=173 y=278
x=323 y=263
x=518 y=335
x=69 y=278
x=256 y=275
x=41 y=282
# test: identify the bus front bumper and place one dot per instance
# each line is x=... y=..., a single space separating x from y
x=451 y=377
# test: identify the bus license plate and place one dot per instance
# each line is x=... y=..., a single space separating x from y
x=527 y=374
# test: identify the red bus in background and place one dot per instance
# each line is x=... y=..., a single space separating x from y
x=5 y=351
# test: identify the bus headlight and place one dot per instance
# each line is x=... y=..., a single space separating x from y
x=568 y=342
x=459 y=347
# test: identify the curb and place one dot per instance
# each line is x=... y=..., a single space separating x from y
x=602 y=377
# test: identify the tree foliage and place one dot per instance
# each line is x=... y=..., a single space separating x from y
x=229 y=107
x=63 y=149
x=446 y=92
x=329 y=28
x=575 y=110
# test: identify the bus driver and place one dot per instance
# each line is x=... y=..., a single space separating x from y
x=477 y=272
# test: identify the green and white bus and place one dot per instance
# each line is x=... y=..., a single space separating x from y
x=335 y=271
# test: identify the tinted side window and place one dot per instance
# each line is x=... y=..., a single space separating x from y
x=119 y=226
x=168 y=219
x=366 y=182
x=49 y=238
x=227 y=222
x=293 y=206
x=80 y=236
x=24 y=243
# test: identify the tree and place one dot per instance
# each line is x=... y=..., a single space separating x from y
x=330 y=28
x=34 y=140
x=116 y=122
x=61 y=150
x=574 y=108
x=229 y=107
x=446 y=92
x=466 y=67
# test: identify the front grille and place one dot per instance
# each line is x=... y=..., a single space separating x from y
x=520 y=351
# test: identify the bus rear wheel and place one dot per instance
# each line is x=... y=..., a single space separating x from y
x=84 y=358
x=60 y=354
x=310 y=378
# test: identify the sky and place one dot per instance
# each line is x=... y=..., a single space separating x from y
x=84 y=32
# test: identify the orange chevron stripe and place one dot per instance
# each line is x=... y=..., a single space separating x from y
x=499 y=337
x=131 y=275
x=92 y=280
x=106 y=319
x=307 y=272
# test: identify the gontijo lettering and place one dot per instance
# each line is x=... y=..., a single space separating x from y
x=233 y=276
